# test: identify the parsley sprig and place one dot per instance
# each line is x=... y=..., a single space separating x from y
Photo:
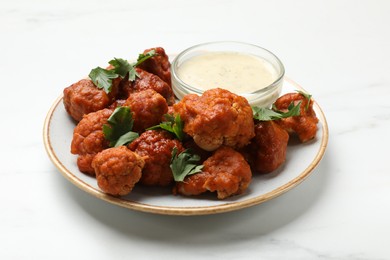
x=184 y=164
x=307 y=96
x=102 y=78
x=174 y=125
x=118 y=130
x=267 y=114
x=143 y=57
x=121 y=66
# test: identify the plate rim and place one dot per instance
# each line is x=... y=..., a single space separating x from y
x=185 y=211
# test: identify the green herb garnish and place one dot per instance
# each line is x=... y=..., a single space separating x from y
x=143 y=57
x=121 y=66
x=124 y=68
x=102 y=78
x=184 y=164
x=266 y=114
x=173 y=125
x=307 y=96
x=118 y=130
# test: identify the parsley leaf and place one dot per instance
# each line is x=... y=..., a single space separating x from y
x=132 y=74
x=121 y=66
x=118 y=130
x=266 y=114
x=126 y=138
x=184 y=164
x=143 y=57
x=102 y=78
x=307 y=96
x=173 y=125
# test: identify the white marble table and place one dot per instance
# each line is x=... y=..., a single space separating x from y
x=338 y=50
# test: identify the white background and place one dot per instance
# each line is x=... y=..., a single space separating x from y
x=337 y=50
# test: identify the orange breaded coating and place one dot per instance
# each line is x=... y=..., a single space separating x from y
x=267 y=150
x=83 y=97
x=192 y=185
x=305 y=125
x=88 y=139
x=117 y=170
x=156 y=147
x=146 y=80
x=148 y=107
x=158 y=65
x=225 y=172
x=216 y=118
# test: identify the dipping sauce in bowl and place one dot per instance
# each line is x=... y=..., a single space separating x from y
x=244 y=69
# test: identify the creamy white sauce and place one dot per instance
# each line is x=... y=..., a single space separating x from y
x=236 y=72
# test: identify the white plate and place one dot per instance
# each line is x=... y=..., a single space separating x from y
x=300 y=162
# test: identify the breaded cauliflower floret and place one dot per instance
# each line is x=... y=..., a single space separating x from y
x=304 y=125
x=146 y=80
x=83 y=97
x=225 y=172
x=156 y=147
x=148 y=108
x=216 y=118
x=267 y=150
x=117 y=170
x=88 y=139
x=158 y=65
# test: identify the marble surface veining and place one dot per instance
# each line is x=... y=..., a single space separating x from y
x=338 y=50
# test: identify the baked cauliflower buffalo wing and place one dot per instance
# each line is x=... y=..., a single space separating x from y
x=117 y=170
x=156 y=147
x=148 y=107
x=304 y=125
x=83 y=97
x=146 y=80
x=216 y=118
x=267 y=150
x=225 y=172
x=158 y=65
x=88 y=139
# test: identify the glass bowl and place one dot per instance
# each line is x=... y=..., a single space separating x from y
x=259 y=93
